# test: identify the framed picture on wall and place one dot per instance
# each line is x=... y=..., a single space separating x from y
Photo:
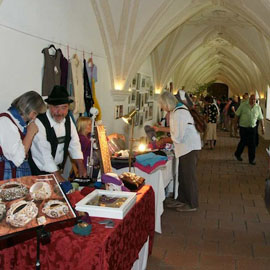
x=150 y=110
x=142 y=100
x=138 y=99
x=143 y=82
x=141 y=119
x=133 y=96
x=146 y=97
x=146 y=113
x=151 y=92
x=136 y=120
x=147 y=82
x=134 y=82
x=118 y=111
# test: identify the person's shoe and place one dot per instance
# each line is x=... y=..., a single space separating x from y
x=252 y=163
x=175 y=204
x=186 y=208
x=238 y=158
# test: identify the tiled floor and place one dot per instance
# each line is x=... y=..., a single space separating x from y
x=231 y=229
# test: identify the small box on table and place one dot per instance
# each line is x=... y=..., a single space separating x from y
x=106 y=203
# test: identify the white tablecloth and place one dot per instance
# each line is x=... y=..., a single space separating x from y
x=159 y=180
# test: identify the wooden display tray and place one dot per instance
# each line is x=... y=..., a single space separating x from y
x=18 y=234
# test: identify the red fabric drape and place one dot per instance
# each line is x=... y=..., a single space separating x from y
x=103 y=249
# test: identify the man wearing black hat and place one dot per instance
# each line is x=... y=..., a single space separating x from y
x=56 y=138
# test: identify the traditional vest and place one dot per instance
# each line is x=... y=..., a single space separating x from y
x=54 y=141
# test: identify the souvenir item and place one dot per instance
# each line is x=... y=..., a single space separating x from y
x=105 y=203
x=21 y=213
x=2 y=210
x=113 y=182
x=131 y=180
x=41 y=220
x=40 y=191
x=13 y=190
x=44 y=203
x=55 y=209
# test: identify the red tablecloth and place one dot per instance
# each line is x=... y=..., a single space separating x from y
x=103 y=249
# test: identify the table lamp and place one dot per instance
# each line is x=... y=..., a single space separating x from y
x=129 y=119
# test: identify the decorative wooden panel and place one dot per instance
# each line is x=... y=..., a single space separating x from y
x=106 y=165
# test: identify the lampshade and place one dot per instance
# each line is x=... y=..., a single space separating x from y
x=128 y=117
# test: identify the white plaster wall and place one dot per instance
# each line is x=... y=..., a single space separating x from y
x=27 y=26
x=66 y=22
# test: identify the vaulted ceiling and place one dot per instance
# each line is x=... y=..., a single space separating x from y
x=189 y=41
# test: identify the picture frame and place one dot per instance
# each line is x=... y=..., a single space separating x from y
x=147 y=82
x=146 y=97
x=141 y=119
x=146 y=113
x=133 y=96
x=136 y=119
x=151 y=92
x=118 y=111
x=150 y=110
x=142 y=100
x=134 y=82
x=143 y=82
x=138 y=99
x=103 y=149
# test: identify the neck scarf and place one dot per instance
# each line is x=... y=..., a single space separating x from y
x=17 y=116
x=179 y=104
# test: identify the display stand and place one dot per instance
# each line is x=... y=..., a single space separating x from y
x=43 y=236
x=90 y=160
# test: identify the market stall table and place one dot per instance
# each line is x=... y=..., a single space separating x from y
x=159 y=180
x=104 y=249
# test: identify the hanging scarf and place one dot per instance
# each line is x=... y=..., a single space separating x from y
x=17 y=116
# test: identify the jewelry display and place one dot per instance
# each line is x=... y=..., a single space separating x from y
x=12 y=190
x=41 y=220
x=21 y=213
x=55 y=209
x=2 y=211
x=40 y=191
x=107 y=201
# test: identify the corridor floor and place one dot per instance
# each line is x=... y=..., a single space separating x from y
x=231 y=229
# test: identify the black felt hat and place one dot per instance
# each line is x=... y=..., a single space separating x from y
x=58 y=96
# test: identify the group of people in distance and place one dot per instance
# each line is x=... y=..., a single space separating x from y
x=47 y=130
x=187 y=140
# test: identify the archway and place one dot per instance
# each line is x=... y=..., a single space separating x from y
x=218 y=90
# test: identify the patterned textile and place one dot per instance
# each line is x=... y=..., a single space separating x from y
x=9 y=167
x=212 y=112
x=103 y=249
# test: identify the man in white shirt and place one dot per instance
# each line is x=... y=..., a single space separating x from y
x=56 y=138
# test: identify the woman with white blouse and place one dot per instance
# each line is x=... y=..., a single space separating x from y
x=187 y=142
x=16 y=134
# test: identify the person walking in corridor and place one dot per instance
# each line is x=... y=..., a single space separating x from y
x=247 y=114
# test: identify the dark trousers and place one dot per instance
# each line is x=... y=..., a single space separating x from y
x=187 y=189
x=247 y=138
